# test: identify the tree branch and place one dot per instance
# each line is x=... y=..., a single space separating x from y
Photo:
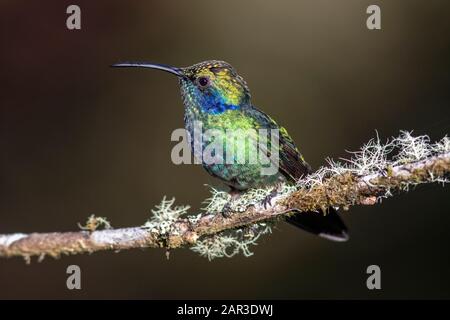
x=336 y=185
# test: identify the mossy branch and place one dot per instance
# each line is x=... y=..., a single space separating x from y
x=363 y=180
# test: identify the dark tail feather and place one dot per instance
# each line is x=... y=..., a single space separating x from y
x=329 y=226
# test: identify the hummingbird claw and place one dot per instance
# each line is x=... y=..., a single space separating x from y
x=267 y=201
x=226 y=210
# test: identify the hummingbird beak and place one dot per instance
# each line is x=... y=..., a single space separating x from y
x=173 y=70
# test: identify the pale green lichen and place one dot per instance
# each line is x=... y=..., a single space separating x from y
x=94 y=223
x=442 y=146
x=216 y=201
x=375 y=157
x=231 y=243
x=251 y=197
x=164 y=215
x=411 y=148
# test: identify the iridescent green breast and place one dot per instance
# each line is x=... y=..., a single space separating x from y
x=238 y=163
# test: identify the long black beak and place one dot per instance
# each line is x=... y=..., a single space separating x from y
x=176 y=71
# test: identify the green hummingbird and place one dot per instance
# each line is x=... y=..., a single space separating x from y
x=215 y=96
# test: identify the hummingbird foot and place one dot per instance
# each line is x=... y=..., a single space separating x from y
x=227 y=209
x=267 y=201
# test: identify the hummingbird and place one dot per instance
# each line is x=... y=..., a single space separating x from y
x=215 y=95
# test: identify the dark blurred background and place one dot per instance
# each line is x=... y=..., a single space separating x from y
x=78 y=137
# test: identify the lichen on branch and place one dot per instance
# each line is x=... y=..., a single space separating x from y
x=376 y=171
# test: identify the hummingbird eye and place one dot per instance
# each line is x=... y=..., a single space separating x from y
x=203 y=81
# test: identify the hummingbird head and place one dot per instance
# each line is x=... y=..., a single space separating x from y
x=211 y=86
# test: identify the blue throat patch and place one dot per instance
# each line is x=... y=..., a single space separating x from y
x=215 y=104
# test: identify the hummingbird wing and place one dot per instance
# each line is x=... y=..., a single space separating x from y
x=293 y=166
x=291 y=162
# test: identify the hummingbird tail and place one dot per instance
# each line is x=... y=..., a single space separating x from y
x=329 y=226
